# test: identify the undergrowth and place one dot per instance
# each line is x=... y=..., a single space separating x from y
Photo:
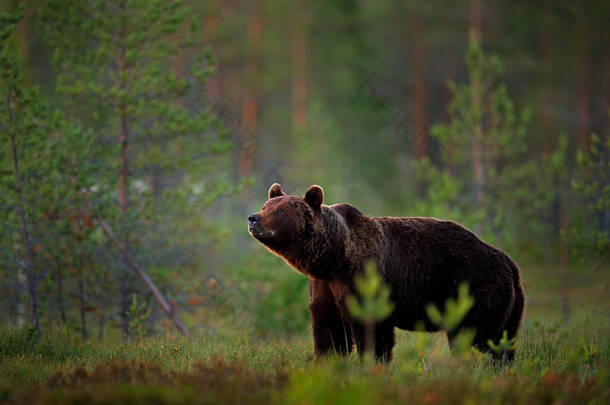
x=554 y=363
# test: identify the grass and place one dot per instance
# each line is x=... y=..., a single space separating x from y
x=569 y=365
x=557 y=362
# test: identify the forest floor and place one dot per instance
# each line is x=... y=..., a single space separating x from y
x=557 y=362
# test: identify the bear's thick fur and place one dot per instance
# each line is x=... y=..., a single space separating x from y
x=423 y=260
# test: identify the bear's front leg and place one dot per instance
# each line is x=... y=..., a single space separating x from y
x=330 y=331
x=383 y=336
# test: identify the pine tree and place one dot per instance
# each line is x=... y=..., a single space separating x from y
x=593 y=184
x=503 y=188
x=158 y=149
x=41 y=177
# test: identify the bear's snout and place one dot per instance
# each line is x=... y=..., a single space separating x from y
x=257 y=229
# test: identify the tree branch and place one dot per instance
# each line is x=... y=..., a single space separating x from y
x=131 y=263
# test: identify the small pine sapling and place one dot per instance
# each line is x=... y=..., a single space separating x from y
x=371 y=304
x=450 y=320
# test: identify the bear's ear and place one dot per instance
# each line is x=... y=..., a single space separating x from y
x=314 y=197
x=275 y=191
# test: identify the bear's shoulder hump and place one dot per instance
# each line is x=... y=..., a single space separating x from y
x=349 y=213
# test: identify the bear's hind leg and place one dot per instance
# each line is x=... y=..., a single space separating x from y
x=511 y=327
x=330 y=331
x=514 y=320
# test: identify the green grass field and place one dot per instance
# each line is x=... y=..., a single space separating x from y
x=556 y=363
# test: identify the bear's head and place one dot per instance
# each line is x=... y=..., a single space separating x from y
x=289 y=226
x=285 y=220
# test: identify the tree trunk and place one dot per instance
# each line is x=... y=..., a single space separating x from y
x=165 y=307
x=606 y=92
x=210 y=31
x=124 y=162
x=81 y=280
x=21 y=310
x=250 y=100
x=25 y=233
x=299 y=72
x=82 y=302
x=124 y=280
x=548 y=125
x=22 y=37
x=563 y=254
x=418 y=88
x=474 y=32
x=546 y=103
x=59 y=281
x=178 y=61
x=101 y=322
x=583 y=88
x=449 y=71
x=228 y=89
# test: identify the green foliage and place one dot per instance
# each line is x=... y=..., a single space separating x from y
x=235 y=369
x=175 y=156
x=442 y=191
x=25 y=170
x=283 y=309
x=588 y=353
x=273 y=298
x=115 y=71
x=372 y=302
x=335 y=383
x=53 y=155
x=133 y=75
x=54 y=349
x=455 y=310
x=19 y=342
x=138 y=314
x=504 y=345
x=593 y=184
x=514 y=187
x=23 y=130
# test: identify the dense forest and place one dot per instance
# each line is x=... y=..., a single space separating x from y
x=137 y=136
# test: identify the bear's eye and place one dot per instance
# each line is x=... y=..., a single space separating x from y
x=278 y=212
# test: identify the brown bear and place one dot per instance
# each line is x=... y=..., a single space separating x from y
x=423 y=260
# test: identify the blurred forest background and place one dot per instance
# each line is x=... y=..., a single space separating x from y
x=138 y=135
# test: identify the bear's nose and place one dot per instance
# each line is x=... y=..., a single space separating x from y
x=254 y=218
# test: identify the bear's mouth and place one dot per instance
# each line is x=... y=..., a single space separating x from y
x=258 y=231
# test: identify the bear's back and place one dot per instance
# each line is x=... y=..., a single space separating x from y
x=416 y=242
